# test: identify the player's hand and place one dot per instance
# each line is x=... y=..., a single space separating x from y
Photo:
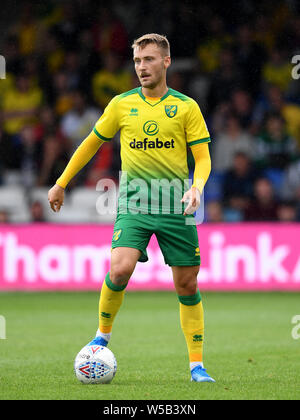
x=192 y=196
x=56 y=197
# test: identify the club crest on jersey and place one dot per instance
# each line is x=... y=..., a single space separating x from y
x=171 y=110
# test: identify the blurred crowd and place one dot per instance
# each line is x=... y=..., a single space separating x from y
x=65 y=60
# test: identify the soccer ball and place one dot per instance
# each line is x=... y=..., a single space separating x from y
x=95 y=365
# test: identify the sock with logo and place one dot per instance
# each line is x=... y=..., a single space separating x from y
x=111 y=299
x=192 y=324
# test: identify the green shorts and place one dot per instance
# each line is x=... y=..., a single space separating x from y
x=177 y=240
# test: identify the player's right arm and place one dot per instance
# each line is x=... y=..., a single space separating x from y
x=104 y=130
x=82 y=155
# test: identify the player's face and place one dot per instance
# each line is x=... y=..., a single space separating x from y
x=150 y=65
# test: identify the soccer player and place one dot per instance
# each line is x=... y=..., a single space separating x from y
x=156 y=123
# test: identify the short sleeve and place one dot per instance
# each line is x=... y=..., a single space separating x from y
x=195 y=127
x=108 y=124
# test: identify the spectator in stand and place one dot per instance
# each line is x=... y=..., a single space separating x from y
x=31 y=67
x=214 y=212
x=11 y=52
x=73 y=70
x=28 y=29
x=21 y=154
x=241 y=104
x=61 y=93
x=287 y=211
x=111 y=80
x=277 y=70
x=47 y=124
x=4 y=216
x=293 y=28
x=290 y=188
x=176 y=81
x=79 y=121
x=61 y=147
x=101 y=165
x=263 y=32
x=177 y=21
x=107 y=163
x=226 y=145
x=275 y=149
x=10 y=153
x=249 y=57
x=208 y=51
x=273 y=102
x=238 y=183
x=30 y=150
x=263 y=207
x=20 y=105
x=54 y=159
x=67 y=29
x=198 y=88
x=1 y=170
x=224 y=80
x=53 y=54
x=37 y=212
x=220 y=116
x=109 y=34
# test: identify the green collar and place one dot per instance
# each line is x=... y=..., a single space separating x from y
x=144 y=99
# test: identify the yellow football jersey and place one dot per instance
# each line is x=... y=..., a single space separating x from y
x=154 y=135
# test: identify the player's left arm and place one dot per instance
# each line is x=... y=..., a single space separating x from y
x=197 y=137
x=201 y=173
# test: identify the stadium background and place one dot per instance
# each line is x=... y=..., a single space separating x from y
x=64 y=61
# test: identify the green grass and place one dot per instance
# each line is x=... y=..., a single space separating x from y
x=249 y=349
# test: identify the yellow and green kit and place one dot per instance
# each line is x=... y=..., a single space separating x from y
x=154 y=135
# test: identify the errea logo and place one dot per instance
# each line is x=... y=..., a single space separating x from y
x=197 y=337
x=134 y=111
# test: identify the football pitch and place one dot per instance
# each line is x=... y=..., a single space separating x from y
x=249 y=348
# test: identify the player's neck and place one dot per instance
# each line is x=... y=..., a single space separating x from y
x=157 y=92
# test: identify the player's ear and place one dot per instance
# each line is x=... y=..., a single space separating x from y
x=167 y=61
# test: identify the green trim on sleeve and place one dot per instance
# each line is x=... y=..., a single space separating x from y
x=179 y=95
x=99 y=135
x=113 y=286
x=205 y=140
x=128 y=93
x=190 y=300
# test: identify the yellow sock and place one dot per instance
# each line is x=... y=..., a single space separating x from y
x=111 y=299
x=192 y=324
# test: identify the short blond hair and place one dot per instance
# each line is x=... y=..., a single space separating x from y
x=160 y=40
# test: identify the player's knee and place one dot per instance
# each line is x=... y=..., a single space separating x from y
x=120 y=274
x=188 y=285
